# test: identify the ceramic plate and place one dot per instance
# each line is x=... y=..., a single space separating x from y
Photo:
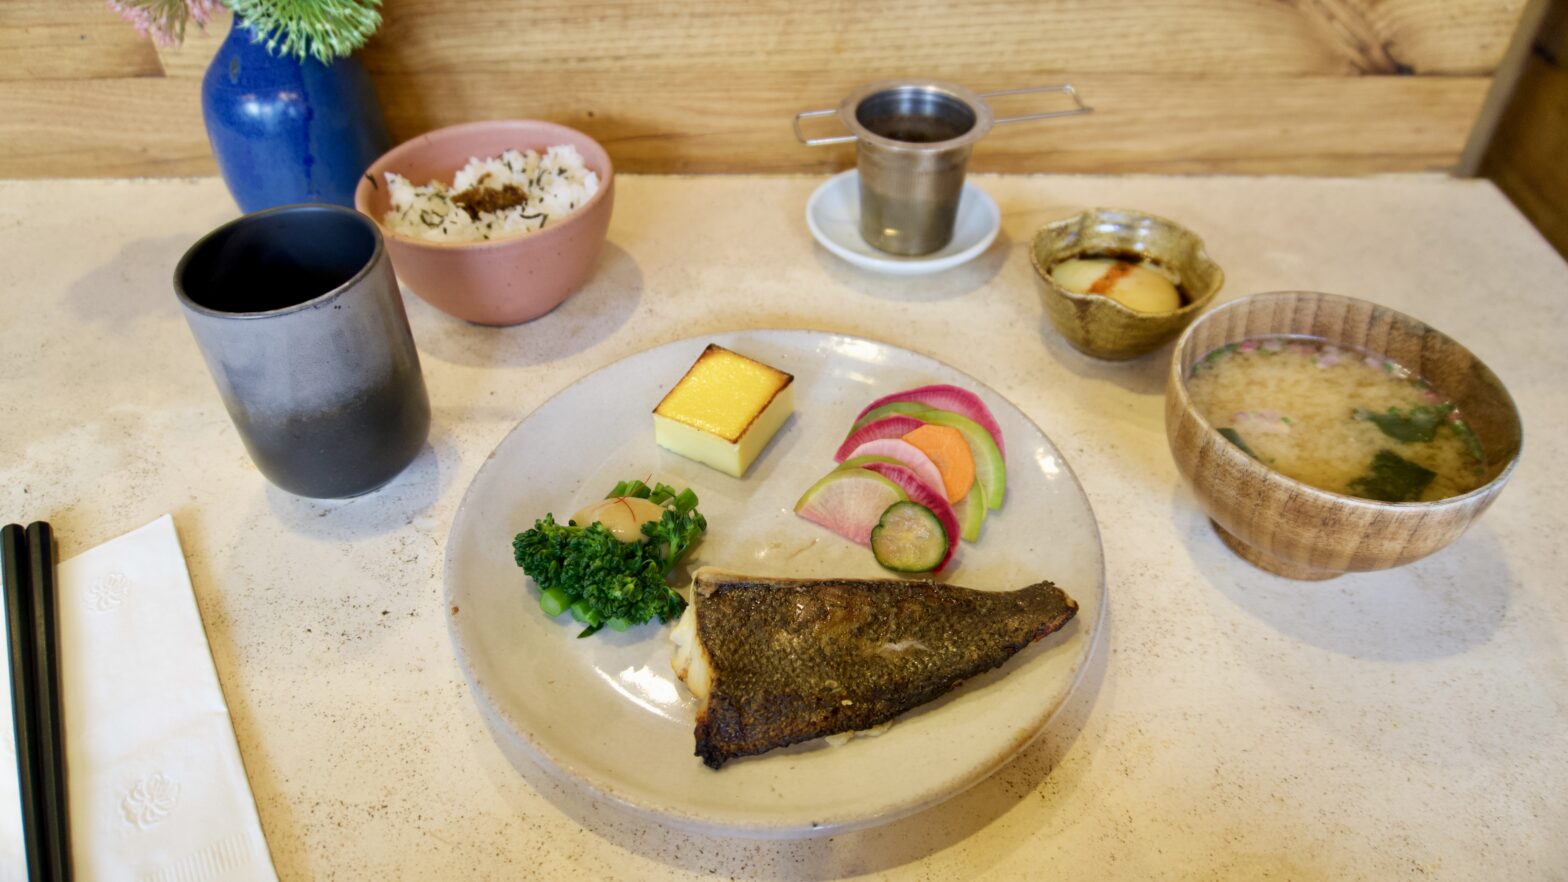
x=833 y=214
x=608 y=712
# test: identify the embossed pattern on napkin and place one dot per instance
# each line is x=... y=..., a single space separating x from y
x=158 y=792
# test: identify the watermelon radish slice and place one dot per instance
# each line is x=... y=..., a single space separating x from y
x=990 y=469
x=891 y=427
x=971 y=511
x=950 y=398
x=907 y=455
x=922 y=493
x=850 y=502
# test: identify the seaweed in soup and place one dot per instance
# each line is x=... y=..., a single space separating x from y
x=1419 y=424
x=1392 y=478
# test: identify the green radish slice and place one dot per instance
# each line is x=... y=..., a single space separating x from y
x=971 y=511
x=860 y=461
x=909 y=538
x=892 y=408
x=849 y=502
x=990 y=468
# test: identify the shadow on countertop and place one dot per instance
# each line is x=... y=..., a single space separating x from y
x=1441 y=606
x=137 y=284
x=391 y=507
x=949 y=284
x=586 y=318
x=1144 y=375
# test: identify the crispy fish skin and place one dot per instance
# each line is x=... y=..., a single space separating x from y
x=795 y=659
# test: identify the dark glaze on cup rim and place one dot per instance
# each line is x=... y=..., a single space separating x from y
x=199 y=250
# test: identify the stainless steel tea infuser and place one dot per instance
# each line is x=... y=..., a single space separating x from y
x=913 y=139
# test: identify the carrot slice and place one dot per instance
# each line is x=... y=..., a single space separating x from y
x=947 y=448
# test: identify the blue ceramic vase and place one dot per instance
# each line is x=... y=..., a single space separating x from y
x=286 y=131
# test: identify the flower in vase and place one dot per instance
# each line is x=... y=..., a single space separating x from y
x=323 y=29
x=164 y=20
x=320 y=29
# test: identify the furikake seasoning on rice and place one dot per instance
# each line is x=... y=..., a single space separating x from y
x=493 y=198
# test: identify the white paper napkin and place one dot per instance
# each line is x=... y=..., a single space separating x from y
x=157 y=789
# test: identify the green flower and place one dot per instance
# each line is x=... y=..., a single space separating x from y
x=322 y=29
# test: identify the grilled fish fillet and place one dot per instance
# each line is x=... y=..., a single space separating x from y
x=779 y=661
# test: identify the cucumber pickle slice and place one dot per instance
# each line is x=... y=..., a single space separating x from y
x=909 y=538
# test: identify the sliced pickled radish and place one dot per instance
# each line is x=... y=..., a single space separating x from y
x=944 y=397
x=892 y=408
x=891 y=427
x=907 y=455
x=850 y=502
x=971 y=512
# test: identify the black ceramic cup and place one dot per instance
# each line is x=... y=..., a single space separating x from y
x=299 y=318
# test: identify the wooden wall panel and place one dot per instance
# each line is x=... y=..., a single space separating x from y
x=1285 y=86
x=1260 y=125
x=48 y=40
x=838 y=37
x=1528 y=157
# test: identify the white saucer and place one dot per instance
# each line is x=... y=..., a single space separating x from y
x=833 y=214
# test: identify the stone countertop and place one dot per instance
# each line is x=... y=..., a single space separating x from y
x=1405 y=724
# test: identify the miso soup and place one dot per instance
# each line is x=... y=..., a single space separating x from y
x=1339 y=419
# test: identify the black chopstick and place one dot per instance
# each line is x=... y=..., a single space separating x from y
x=19 y=638
x=46 y=674
x=33 y=635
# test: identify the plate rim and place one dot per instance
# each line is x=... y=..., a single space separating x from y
x=893 y=264
x=499 y=723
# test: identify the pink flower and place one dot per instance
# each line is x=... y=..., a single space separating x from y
x=164 y=20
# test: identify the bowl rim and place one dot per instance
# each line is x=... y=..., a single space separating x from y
x=1177 y=385
x=1192 y=306
x=377 y=168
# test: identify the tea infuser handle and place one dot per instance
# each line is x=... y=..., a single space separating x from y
x=817 y=142
x=1064 y=88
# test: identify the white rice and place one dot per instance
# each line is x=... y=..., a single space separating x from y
x=556 y=184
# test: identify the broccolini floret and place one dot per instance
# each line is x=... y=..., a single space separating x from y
x=604 y=581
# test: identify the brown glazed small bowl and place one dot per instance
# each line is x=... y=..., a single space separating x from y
x=1099 y=326
x=503 y=281
x=1295 y=530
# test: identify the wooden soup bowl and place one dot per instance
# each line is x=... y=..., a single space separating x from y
x=1295 y=530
